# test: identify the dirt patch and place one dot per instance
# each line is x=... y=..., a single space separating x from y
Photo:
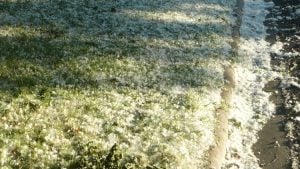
x=272 y=147
x=278 y=144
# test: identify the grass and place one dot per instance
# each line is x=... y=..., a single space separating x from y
x=110 y=84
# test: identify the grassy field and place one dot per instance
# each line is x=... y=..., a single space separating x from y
x=110 y=83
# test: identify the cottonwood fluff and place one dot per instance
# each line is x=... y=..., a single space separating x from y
x=250 y=105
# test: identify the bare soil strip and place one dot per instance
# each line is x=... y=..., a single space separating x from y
x=218 y=152
x=221 y=132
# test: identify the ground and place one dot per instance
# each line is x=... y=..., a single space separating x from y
x=80 y=79
x=134 y=83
